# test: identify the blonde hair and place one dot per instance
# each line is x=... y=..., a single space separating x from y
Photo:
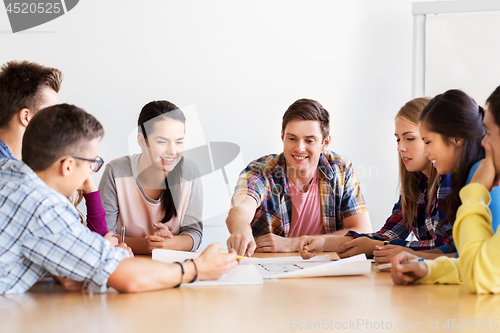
x=408 y=180
x=76 y=200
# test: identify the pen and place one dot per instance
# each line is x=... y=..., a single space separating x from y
x=237 y=257
x=123 y=233
x=305 y=251
x=389 y=265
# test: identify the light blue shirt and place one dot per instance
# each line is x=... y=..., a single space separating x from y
x=494 y=207
x=5 y=152
x=40 y=232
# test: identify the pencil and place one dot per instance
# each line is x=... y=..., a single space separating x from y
x=305 y=251
x=123 y=233
x=389 y=265
x=237 y=257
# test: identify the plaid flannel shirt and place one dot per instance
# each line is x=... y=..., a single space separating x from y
x=40 y=232
x=424 y=225
x=265 y=180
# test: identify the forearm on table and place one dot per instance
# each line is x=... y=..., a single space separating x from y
x=195 y=231
x=292 y=244
x=332 y=242
x=181 y=243
x=441 y=270
x=143 y=274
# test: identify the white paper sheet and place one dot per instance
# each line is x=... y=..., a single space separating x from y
x=283 y=260
x=276 y=268
x=269 y=268
x=170 y=256
x=355 y=265
x=240 y=275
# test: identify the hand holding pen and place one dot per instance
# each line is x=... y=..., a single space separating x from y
x=122 y=244
x=407 y=268
x=309 y=246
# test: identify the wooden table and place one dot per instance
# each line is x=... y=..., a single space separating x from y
x=366 y=303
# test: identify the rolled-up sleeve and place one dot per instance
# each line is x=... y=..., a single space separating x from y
x=64 y=247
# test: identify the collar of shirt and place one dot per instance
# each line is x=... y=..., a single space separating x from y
x=5 y=152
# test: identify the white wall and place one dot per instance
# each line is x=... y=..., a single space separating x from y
x=241 y=63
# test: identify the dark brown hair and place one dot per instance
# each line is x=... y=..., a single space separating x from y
x=21 y=85
x=58 y=131
x=493 y=105
x=150 y=114
x=454 y=114
x=307 y=109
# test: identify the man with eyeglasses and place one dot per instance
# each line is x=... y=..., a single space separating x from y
x=95 y=165
x=40 y=230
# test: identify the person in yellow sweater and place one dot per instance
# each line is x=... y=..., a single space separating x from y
x=479 y=264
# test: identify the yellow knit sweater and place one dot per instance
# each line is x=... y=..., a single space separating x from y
x=479 y=264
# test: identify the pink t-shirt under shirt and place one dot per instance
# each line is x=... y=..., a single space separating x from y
x=306 y=210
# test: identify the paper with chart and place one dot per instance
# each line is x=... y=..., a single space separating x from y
x=240 y=275
x=296 y=267
x=269 y=268
x=253 y=270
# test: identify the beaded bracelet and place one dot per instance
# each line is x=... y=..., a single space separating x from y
x=182 y=273
x=196 y=269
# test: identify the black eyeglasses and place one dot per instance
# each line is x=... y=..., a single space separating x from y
x=95 y=165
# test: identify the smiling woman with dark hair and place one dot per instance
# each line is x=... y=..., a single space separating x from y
x=157 y=194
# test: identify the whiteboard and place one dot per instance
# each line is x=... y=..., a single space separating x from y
x=456 y=46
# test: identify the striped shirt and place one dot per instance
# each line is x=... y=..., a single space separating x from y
x=424 y=225
x=40 y=232
x=265 y=180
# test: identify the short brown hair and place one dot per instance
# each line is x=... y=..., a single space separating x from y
x=307 y=109
x=57 y=131
x=21 y=85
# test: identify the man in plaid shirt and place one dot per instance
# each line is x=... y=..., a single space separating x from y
x=40 y=230
x=302 y=191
